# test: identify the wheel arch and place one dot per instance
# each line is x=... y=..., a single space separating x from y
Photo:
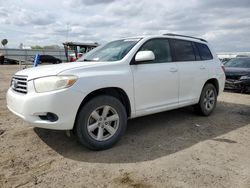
x=116 y=92
x=215 y=82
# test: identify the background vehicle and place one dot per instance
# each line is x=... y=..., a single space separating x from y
x=14 y=56
x=123 y=79
x=224 y=60
x=49 y=59
x=78 y=48
x=237 y=72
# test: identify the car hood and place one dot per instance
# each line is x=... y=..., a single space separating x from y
x=49 y=70
x=235 y=71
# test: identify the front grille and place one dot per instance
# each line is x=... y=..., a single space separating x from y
x=232 y=77
x=19 y=84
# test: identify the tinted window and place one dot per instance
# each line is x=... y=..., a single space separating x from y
x=183 y=50
x=196 y=52
x=161 y=49
x=204 y=51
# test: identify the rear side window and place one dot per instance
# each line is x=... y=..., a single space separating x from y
x=204 y=51
x=196 y=52
x=161 y=49
x=183 y=50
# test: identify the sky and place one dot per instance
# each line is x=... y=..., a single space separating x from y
x=224 y=23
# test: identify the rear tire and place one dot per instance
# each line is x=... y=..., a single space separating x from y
x=208 y=100
x=101 y=122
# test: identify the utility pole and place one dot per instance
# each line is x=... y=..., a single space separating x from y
x=67 y=34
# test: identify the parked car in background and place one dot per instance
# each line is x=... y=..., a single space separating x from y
x=237 y=72
x=79 y=49
x=49 y=59
x=123 y=79
x=225 y=60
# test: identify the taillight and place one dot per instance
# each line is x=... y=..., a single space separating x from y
x=223 y=68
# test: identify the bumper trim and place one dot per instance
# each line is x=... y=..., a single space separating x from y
x=237 y=84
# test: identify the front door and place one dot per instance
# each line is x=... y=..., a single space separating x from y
x=155 y=82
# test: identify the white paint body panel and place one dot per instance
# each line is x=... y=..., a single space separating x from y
x=151 y=88
x=155 y=87
x=189 y=86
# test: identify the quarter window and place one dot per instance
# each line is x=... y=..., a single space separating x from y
x=183 y=50
x=161 y=49
x=204 y=51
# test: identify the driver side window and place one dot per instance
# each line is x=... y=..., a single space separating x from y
x=161 y=49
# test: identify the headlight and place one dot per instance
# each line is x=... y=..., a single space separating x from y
x=245 y=77
x=51 y=83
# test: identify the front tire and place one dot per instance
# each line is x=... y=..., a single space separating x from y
x=101 y=122
x=208 y=100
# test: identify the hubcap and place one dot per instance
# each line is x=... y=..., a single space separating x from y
x=103 y=123
x=209 y=99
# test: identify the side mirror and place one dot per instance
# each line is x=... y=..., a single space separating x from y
x=144 y=56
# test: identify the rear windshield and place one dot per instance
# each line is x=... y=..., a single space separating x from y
x=113 y=51
x=238 y=62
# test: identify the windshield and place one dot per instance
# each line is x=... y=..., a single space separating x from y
x=239 y=62
x=113 y=51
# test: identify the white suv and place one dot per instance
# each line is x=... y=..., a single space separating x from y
x=123 y=79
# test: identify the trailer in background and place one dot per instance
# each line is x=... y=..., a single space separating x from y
x=78 y=48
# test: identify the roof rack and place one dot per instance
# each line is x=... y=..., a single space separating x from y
x=172 y=34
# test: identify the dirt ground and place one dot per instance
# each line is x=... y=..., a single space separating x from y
x=170 y=149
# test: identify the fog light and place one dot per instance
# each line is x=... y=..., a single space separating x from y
x=49 y=116
x=52 y=117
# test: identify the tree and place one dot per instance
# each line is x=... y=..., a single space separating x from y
x=36 y=47
x=54 y=47
x=21 y=45
x=4 y=42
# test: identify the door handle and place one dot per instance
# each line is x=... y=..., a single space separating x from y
x=202 y=67
x=173 y=69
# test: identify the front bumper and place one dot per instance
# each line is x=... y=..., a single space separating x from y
x=31 y=106
x=237 y=84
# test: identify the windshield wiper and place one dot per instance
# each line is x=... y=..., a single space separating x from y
x=88 y=60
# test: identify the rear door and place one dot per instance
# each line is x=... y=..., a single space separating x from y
x=155 y=82
x=193 y=71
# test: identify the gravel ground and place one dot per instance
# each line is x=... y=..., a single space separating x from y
x=170 y=149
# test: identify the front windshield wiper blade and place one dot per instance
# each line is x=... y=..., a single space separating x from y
x=88 y=60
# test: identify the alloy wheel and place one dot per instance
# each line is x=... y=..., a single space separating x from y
x=209 y=99
x=103 y=123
